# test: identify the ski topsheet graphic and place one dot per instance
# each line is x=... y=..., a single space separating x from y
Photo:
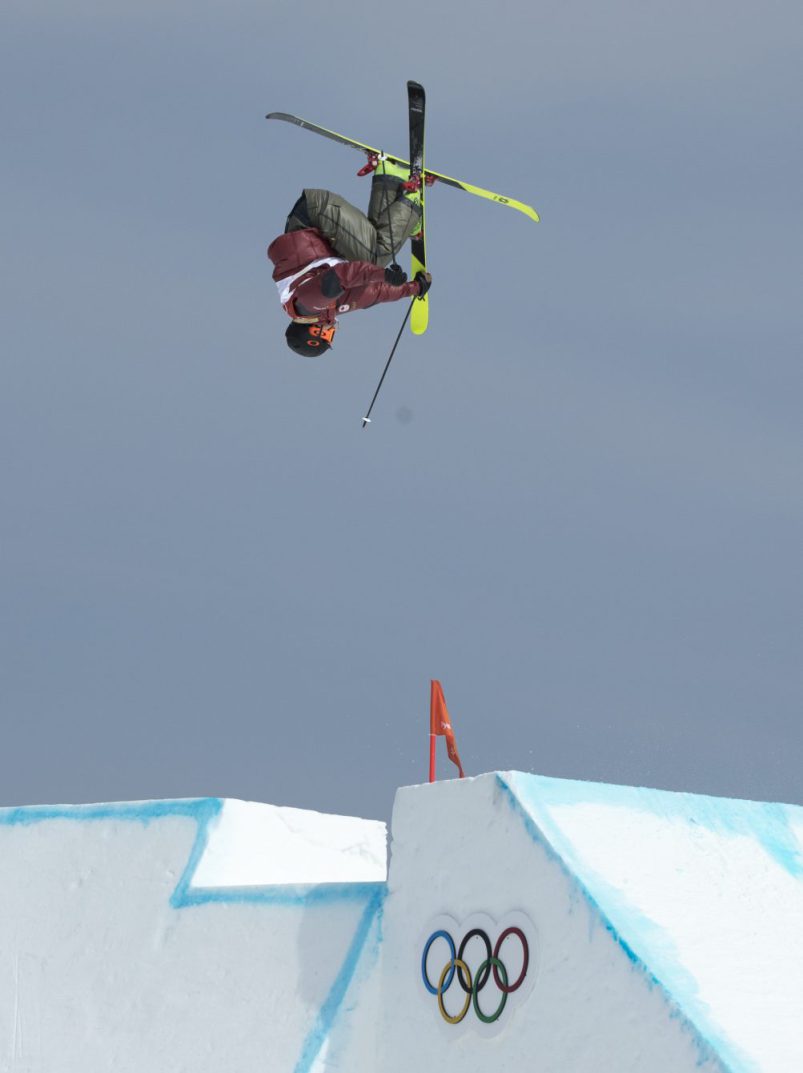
x=470 y=188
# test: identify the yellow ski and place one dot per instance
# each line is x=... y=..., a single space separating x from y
x=416 y=100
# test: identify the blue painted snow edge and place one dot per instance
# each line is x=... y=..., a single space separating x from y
x=710 y=1046
x=332 y=1006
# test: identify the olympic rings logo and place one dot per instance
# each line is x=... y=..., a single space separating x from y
x=492 y=969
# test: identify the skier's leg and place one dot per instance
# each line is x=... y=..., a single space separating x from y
x=349 y=231
x=394 y=212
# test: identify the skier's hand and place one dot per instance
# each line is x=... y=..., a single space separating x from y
x=424 y=281
x=395 y=275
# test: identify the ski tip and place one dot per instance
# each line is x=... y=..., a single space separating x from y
x=366 y=421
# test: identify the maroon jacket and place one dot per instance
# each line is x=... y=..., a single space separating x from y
x=327 y=290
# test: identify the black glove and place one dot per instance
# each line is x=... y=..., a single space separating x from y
x=424 y=281
x=395 y=275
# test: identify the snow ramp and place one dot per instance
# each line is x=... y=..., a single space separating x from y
x=194 y=935
x=663 y=932
x=525 y=923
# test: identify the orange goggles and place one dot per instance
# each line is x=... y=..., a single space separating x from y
x=326 y=332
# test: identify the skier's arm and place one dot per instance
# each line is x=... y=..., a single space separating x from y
x=384 y=292
x=353 y=275
x=359 y=274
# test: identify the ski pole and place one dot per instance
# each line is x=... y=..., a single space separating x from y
x=367 y=419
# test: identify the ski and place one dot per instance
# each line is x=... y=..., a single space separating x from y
x=469 y=188
x=416 y=102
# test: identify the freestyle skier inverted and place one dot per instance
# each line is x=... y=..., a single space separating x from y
x=333 y=259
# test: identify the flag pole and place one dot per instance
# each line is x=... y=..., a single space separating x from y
x=431 y=731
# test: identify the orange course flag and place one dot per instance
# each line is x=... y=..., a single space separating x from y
x=440 y=723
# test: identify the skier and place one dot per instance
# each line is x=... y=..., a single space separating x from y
x=332 y=258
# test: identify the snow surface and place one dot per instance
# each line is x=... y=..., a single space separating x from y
x=665 y=933
x=468 y=847
x=111 y=959
x=251 y=844
x=707 y=892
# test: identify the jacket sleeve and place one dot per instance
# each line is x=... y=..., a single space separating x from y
x=354 y=275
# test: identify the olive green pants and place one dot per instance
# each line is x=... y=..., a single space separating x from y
x=377 y=237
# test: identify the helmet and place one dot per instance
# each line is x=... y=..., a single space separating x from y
x=310 y=340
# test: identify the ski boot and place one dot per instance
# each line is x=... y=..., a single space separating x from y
x=410 y=184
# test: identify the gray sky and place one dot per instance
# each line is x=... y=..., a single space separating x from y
x=580 y=502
